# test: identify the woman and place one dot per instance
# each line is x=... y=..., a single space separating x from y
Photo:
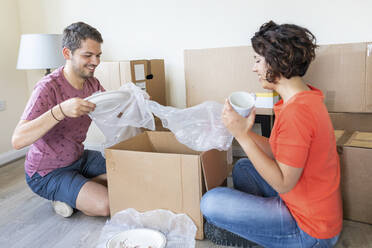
x=286 y=194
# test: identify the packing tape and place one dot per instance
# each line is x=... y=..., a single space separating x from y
x=267 y=94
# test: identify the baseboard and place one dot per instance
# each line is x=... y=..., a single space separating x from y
x=12 y=155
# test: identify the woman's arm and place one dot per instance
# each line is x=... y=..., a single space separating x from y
x=280 y=176
x=262 y=142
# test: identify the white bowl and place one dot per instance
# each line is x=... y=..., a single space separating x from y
x=137 y=238
x=242 y=102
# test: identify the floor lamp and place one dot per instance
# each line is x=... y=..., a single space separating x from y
x=40 y=51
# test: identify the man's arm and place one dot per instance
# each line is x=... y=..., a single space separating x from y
x=27 y=132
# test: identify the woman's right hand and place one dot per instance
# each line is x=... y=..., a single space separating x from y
x=76 y=107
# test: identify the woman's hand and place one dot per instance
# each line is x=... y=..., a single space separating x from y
x=235 y=123
x=75 y=107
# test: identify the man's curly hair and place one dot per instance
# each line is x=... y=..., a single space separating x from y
x=288 y=49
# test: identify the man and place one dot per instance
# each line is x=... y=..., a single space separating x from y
x=55 y=123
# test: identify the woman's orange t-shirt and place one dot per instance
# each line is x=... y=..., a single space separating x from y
x=303 y=137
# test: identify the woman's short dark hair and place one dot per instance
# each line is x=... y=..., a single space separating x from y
x=76 y=32
x=288 y=49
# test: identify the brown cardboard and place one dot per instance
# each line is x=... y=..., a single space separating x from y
x=342 y=73
x=140 y=72
x=356 y=173
x=154 y=171
x=214 y=73
x=369 y=78
x=352 y=121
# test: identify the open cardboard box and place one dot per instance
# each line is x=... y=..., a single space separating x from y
x=154 y=171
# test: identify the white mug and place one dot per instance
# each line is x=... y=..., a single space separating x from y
x=242 y=102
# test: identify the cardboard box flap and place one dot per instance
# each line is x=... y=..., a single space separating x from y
x=215 y=169
x=360 y=139
x=166 y=142
x=141 y=142
x=338 y=134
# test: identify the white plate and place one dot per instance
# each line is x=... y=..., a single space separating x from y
x=138 y=238
x=108 y=100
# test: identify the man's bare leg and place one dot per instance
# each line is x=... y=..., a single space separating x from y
x=92 y=199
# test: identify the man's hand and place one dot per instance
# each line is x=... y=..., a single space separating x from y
x=75 y=107
x=235 y=123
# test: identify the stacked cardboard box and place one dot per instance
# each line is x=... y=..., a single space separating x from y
x=344 y=73
x=214 y=73
x=355 y=150
x=147 y=74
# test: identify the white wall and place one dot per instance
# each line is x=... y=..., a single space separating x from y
x=164 y=28
x=13 y=87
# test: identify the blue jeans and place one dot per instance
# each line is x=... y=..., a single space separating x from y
x=64 y=184
x=254 y=211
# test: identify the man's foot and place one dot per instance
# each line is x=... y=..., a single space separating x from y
x=62 y=208
x=220 y=236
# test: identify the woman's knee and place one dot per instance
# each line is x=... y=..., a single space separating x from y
x=210 y=203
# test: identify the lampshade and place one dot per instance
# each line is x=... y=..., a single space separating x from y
x=40 y=51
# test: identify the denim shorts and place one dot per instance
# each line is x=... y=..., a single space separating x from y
x=64 y=184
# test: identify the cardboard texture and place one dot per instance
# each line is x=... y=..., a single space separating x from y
x=343 y=73
x=352 y=121
x=339 y=134
x=147 y=74
x=356 y=173
x=369 y=78
x=212 y=74
x=114 y=74
x=154 y=171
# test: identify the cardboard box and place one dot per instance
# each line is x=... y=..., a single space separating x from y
x=212 y=74
x=147 y=74
x=266 y=100
x=344 y=74
x=154 y=171
x=356 y=173
x=352 y=121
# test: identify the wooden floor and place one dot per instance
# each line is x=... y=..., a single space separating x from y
x=26 y=220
